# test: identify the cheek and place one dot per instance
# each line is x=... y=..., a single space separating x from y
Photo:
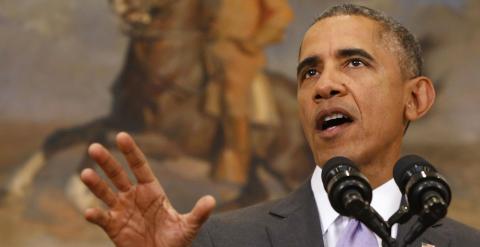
x=303 y=106
x=304 y=115
x=384 y=114
x=378 y=103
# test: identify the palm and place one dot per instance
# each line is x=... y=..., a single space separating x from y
x=133 y=217
x=139 y=215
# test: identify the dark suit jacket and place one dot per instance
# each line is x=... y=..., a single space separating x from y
x=294 y=222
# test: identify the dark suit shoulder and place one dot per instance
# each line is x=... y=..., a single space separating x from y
x=252 y=218
x=292 y=220
x=461 y=234
x=242 y=227
x=248 y=215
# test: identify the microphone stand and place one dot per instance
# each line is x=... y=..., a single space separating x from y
x=434 y=209
x=369 y=217
x=402 y=215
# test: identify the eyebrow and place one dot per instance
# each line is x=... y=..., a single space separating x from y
x=351 y=52
x=313 y=61
x=307 y=62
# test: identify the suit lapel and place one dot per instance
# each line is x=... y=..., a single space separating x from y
x=433 y=236
x=297 y=223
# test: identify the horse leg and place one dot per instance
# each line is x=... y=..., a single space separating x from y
x=58 y=141
x=252 y=192
x=23 y=178
x=278 y=176
x=78 y=194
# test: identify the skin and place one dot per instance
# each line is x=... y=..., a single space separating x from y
x=139 y=214
x=345 y=67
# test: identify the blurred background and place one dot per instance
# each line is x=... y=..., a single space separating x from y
x=59 y=60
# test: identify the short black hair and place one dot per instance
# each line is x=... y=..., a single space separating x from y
x=409 y=49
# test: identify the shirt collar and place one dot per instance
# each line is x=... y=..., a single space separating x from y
x=385 y=200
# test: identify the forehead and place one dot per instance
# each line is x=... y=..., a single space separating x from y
x=339 y=32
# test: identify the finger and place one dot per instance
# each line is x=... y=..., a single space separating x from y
x=97 y=217
x=99 y=187
x=110 y=166
x=135 y=157
x=201 y=211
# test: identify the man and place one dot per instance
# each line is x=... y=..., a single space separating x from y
x=359 y=86
x=240 y=31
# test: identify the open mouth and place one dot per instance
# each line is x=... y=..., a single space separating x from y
x=331 y=120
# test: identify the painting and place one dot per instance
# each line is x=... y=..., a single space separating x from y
x=208 y=90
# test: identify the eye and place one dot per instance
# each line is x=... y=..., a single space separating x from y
x=355 y=63
x=310 y=73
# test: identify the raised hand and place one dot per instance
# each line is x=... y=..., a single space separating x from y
x=139 y=214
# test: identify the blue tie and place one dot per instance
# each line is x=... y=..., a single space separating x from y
x=357 y=234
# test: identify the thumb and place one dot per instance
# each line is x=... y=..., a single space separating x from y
x=201 y=211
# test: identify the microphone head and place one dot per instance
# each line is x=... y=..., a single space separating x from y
x=340 y=176
x=335 y=165
x=407 y=166
x=418 y=180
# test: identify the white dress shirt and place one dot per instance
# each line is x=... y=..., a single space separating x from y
x=385 y=200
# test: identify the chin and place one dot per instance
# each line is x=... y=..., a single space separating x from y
x=322 y=158
x=323 y=155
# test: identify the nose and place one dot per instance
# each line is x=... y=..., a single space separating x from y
x=327 y=86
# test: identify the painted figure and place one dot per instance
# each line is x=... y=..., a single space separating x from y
x=240 y=32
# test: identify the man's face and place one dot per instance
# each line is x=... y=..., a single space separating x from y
x=351 y=91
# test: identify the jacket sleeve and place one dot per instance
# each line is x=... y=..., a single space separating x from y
x=203 y=238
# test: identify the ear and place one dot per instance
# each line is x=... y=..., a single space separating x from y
x=420 y=96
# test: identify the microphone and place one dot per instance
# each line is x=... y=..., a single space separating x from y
x=345 y=185
x=427 y=192
x=350 y=195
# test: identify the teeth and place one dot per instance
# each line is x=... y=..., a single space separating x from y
x=334 y=116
